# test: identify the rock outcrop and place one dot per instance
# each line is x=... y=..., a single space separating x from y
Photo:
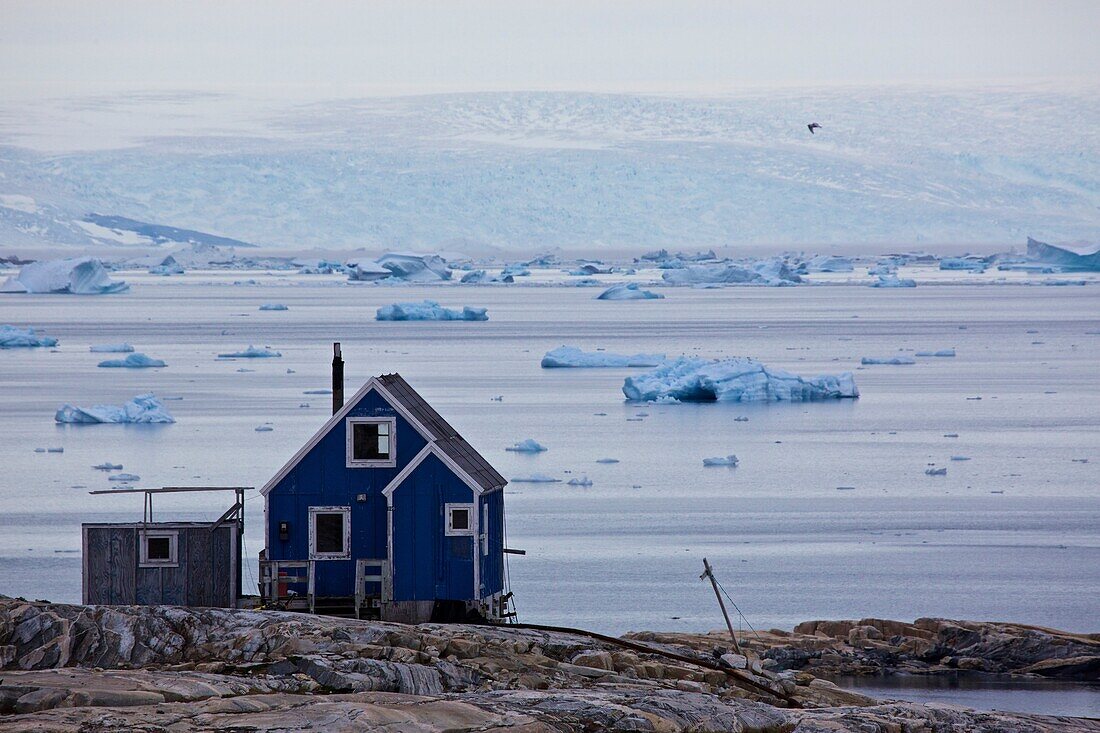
x=96 y=668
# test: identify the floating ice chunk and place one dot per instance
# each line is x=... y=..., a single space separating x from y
x=581 y=481
x=477 y=277
x=252 y=352
x=527 y=446
x=845 y=488
x=734 y=379
x=941 y=352
x=108 y=466
x=730 y=460
x=628 y=291
x=168 y=266
x=263 y=428
x=136 y=360
x=950 y=435
x=572 y=357
x=367 y=270
x=1085 y=257
x=960 y=458
x=828 y=263
x=415 y=267
x=515 y=270
x=536 y=478
x=317 y=391
x=740 y=418
x=111 y=349
x=497 y=398
x=891 y=280
x=429 y=310
x=127 y=477
x=12 y=337
x=764 y=272
x=59 y=449
x=962 y=263
x=273 y=307
x=607 y=460
x=936 y=471
x=893 y=360
x=78 y=276
x=144 y=408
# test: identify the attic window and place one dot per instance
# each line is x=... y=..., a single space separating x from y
x=370 y=442
x=460 y=518
x=158 y=549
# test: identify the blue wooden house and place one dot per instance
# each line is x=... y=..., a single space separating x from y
x=386 y=512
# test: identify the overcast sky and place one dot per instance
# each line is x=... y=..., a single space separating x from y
x=306 y=48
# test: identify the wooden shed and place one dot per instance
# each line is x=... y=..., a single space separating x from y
x=150 y=563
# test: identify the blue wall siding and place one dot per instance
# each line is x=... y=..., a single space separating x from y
x=323 y=479
x=492 y=564
x=428 y=564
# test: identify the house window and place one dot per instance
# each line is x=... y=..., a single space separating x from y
x=371 y=442
x=460 y=520
x=329 y=532
x=158 y=549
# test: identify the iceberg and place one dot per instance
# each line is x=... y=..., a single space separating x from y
x=536 y=478
x=1069 y=257
x=581 y=481
x=136 y=360
x=127 y=477
x=252 y=352
x=730 y=460
x=941 y=352
x=763 y=272
x=589 y=268
x=366 y=271
x=628 y=291
x=12 y=337
x=827 y=263
x=572 y=357
x=891 y=360
x=77 y=276
x=144 y=408
x=527 y=446
x=108 y=466
x=734 y=379
x=891 y=280
x=477 y=277
x=273 y=307
x=111 y=349
x=415 y=267
x=962 y=263
x=168 y=266
x=936 y=471
x=516 y=270
x=263 y=428
x=607 y=460
x=429 y=310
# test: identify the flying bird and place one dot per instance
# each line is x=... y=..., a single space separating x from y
x=813 y=126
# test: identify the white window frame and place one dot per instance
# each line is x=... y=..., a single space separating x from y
x=145 y=535
x=352 y=462
x=313 y=512
x=448 y=509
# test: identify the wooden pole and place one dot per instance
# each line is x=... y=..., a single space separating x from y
x=709 y=573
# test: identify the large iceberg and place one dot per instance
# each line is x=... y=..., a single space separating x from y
x=136 y=360
x=12 y=338
x=78 y=276
x=252 y=352
x=571 y=356
x=144 y=408
x=733 y=379
x=762 y=272
x=1084 y=257
x=628 y=291
x=429 y=310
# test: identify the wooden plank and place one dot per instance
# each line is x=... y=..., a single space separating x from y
x=98 y=561
x=223 y=574
x=123 y=559
x=200 y=567
x=147 y=587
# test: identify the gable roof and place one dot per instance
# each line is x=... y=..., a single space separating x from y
x=425 y=420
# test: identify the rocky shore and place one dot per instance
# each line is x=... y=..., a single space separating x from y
x=98 y=668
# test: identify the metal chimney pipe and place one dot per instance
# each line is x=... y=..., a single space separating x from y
x=337 y=378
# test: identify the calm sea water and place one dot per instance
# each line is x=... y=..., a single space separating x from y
x=626 y=552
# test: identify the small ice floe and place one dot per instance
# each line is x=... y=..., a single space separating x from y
x=527 y=446
x=845 y=488
x=936 y=471
x=263 y=428
x=891 y=280
x=497 y=398
x=730 y=460
x=740 y=418
x=960 y=458
x=734 y=379
x=429 y=310
x=565 y=357
x=242 y=369
x=317 y=391
x=996 y=491
x=291 y=371
x=536 y=478
x=273 y=307
x=628 y=291
x=77 y=276
x=39 y=450
x=108 y=466
x=607 y=460
x=479 y=277
x=111 y=349
x=974 y=399
x=641 y=414
x=124 y=477
x=252 y=352
x=137 y=360
x=144 y=408
x=12 y=337
x=59 y=449
x=1079 y=460
x=941 y=352
x=581 y=481
x=890 y=360
x=950 y=435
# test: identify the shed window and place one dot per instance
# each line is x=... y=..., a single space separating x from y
x=460 y=519
x=371 y=442
x=329 y=533
x=158 y=549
